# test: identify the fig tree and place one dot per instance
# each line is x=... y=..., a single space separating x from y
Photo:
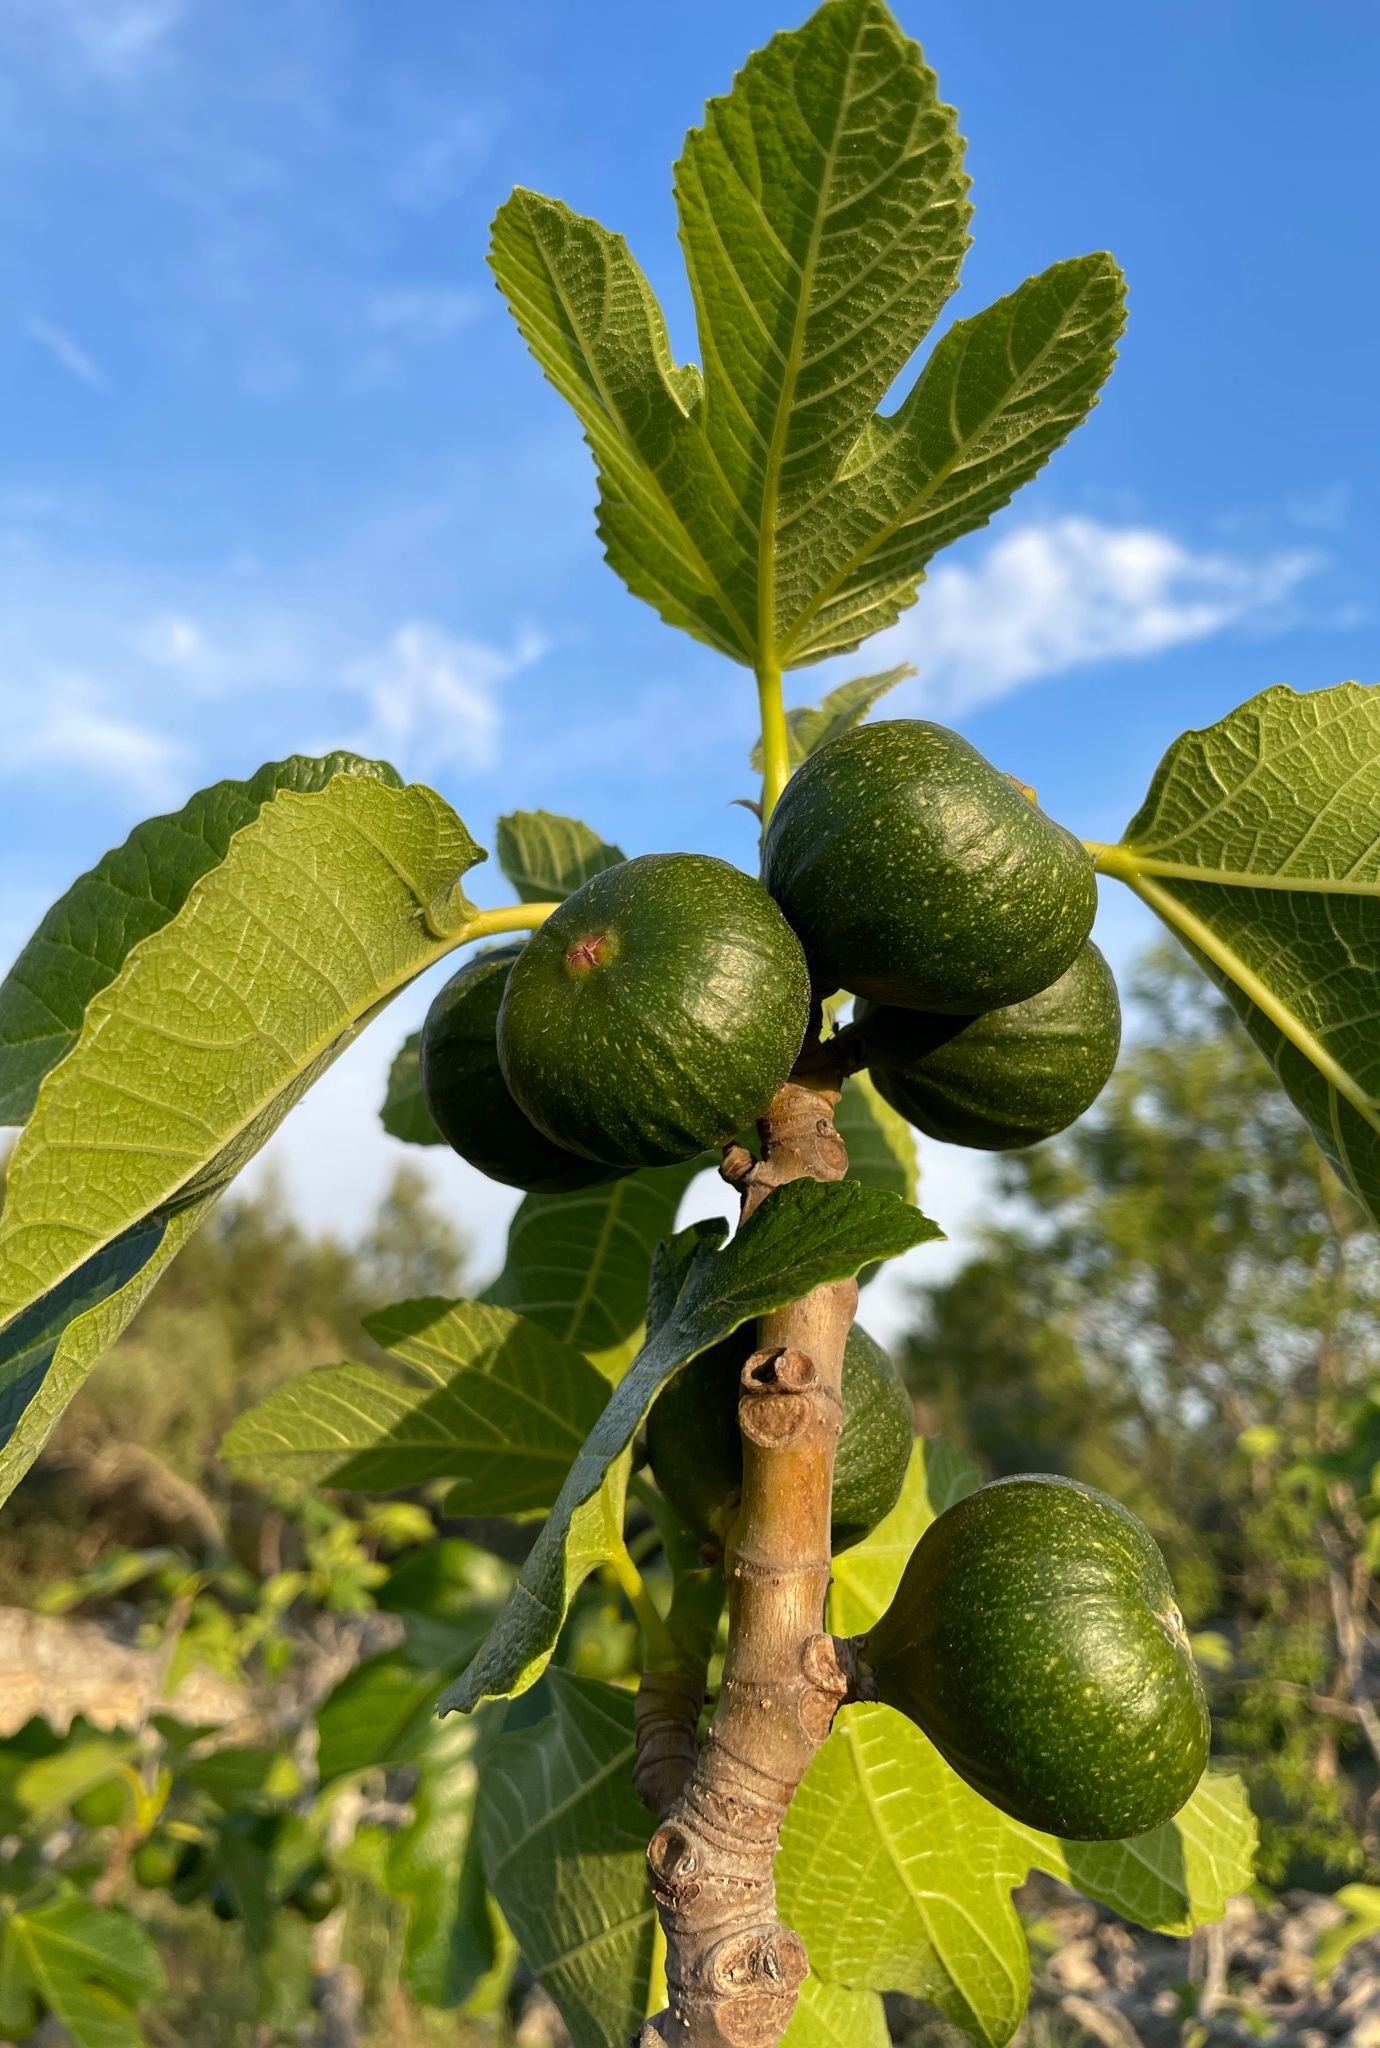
x=656 y=1012
x=1008 y=1077
x=467 y=1097
x=919 y=875
x=1036 y=1640
x=696 y=1451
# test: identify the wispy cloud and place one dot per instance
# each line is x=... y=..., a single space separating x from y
x=114 y=38
x=68 y=353
x=68 y=725
x=1073 y=592
x=424 y=313
x=432 y=698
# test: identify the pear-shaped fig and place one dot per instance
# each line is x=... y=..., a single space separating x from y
x=1036 y=1640
x=1009 y=1077
x=656 y=1012
x=919 y=875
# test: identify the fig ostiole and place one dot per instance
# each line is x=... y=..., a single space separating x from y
x=1036 y=1640
x=655 y=1013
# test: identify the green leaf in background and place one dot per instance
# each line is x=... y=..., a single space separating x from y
x=766 y=507
x=322 y=909
x=433 y=1867
x=84 y=939
x=564 y=1842
x=546 y=857
x=1257 y=846
x=803 y=1235
x=496 y=1403
x=579 y=1264
x=810 y=726
x=881 y=1144
x=91 y=1967
x=866 y=1576
x=830 y=2017
x=405 y=1114
x=899 y=1876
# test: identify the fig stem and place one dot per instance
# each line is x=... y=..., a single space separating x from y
x=733 y=1971
x=776 y=742
x=656 y=1641
x=509 y=917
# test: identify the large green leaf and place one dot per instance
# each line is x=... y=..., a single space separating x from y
x=1257 y=845
x=1000 y=393
x=84 y=939
x=766 y=506
x=91 y=1967
x=322 y=909
x=823 y=212
x=830 y=2017
x=564 y=1843
x=579 y=1264
x=811 y=726
x=803 y=1235
x=546 y=857
x=899 y=1877
x=405 y=1114
x=495 y=1402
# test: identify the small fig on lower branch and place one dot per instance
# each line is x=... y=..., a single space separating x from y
x=1036 y=1640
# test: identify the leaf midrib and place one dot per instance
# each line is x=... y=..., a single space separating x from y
x=1126 y=861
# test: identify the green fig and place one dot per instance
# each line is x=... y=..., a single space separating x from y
x=655 y=1013
x=467 y=1097
x=917 y=874
x=1036 y=1640
x=696 y=1452
x=1008 y=1077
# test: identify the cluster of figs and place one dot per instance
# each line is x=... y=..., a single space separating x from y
x=1034 y=1636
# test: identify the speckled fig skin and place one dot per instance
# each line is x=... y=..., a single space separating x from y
x=1009 y=1077
x=915 y=873
x=467 y=1097
x=656 y=1012
x=1036 y=1640
x=695 y=1448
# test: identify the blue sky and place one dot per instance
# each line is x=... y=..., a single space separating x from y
x=279 y=474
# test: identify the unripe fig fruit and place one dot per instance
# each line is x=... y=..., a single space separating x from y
x=1009 y=1077
x=467 y=1097
x=106 y=1805
x=919 y=875
x=696 y=1451
x=156 y=1862
x=656 y=1012
x=1036 y=1640
x=316 y=1893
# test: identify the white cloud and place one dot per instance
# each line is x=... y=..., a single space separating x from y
x=424 y=313
x=174 y=641
x=115 y=38
x=431 y=697
x=68 y=353
x=1062 y=595
x=67 y=724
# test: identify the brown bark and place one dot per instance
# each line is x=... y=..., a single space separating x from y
x=732 y=1969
